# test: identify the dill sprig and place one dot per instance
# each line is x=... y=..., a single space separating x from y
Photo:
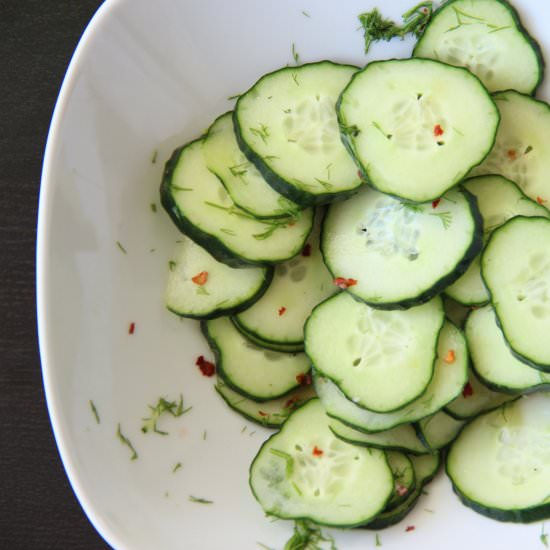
x=375 y=27
x=163 y=406
x=94 y=412
x=200 y=500
x=123 y=439
x=308 y=536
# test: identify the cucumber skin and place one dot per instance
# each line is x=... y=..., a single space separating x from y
x=282 y=186
x=218 y=358
x=439 y=286
x=212 y=244
x=291 y=347
x=527 y=360
x=515 y=16
x=347 y=138
x=219 y=312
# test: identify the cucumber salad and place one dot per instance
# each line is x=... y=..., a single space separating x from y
x=367 y=250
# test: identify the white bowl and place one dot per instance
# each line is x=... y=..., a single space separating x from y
x=146 y=77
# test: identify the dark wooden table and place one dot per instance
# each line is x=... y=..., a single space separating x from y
x=38 y=509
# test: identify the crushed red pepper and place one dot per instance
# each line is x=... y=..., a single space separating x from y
x=343 y=283
x=468 y=390
x=435 y=203
x=410 y=528
x=450 y=357
x=511 y=154
x=401 y=490
x=201 y=278
x=282 y=311
x=262 y=413
x=317 y=451
x=438 y=130
x=132 y=328
x=306 y=252
x=540 y=200
x=304 y=379
x=206 y=367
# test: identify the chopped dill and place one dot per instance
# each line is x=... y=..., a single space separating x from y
x=163 y=406
x=121 y=248
x=295 y=55
x=153 y=207
x=176 y=467
x=123 y=439
x=94 y=412
x=200 y=500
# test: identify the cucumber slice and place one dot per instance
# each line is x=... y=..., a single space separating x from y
x=286 y=126
x=520 y=290
x=245 y=185
x=498 y=200
x=446 y=384
x=305 y=472
x=381 y=360
x=438 y=430
x=475 y=399
x=486 y=37
x=425 y=468
x=403 y=476
x=200 y=207
x=270 y=414
x=399 y=117
x=297 y=287
x=374 y=239
x=254 y=372
x=217 y=290
x=522 y=152
x=288 y=348
x=500 y=466
x=492 y=359
x=455 y=312
x=403 y=438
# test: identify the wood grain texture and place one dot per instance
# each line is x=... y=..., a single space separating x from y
x=38 y=508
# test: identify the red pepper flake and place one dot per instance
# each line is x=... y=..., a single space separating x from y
x=435 y=203
x=132 y=328
x=306 y=252
x=359 y=174
x=206 y=367
x=410 y=528
x=291 y=224
x=450 y=357
x=317 y=451
x=342 y=283
x=438 y=131
x=304 y=379
x=511 y=154
x=282 y=311
x=468 y=390
x=201 y=278
x=401 y=490
x=540 y=200
x=262 y=413
x=291 y=403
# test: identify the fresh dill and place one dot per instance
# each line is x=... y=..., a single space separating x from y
x=295 y=54
x=229 y=232
x=295 y=78
x=287 y=458
x=375 y=27
x=123 y=439
x=308 y=536
x=172 y=265
x=94 y=412
x=377 y=540
x=153 y=207
x=379 y=128
x=305 y=14
x=204 y=435
x=262 y=132
x=544 y=536
x=232 y=97
x=445 y=217
x=154 y=156
x=121 y=248
x=239 y=170
x=201 y=291
x=200 y=500
x=176 y=467
x=163 y=406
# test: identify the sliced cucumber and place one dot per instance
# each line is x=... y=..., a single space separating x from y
x=438 y=430
x=455 y=312
x=446 y=384
x=245 y=185
x=200 y=287
x=403 y=475
x=492 y=359
x=254 y=372
x=403 y=438
x=425 y=468
x=286 y=125
x=475 y=399
x=305 y=472
x=500 y=463
x=288 y=348
x=498 y=200
x=374 y=239
x=487 y=38
x=520 y=289
x=381 y=360
x=200 y=207
x=522 y=148
x=398 y=117
x=270 y=414
x=297 y=287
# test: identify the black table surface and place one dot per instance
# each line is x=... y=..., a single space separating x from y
x=38 y=509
